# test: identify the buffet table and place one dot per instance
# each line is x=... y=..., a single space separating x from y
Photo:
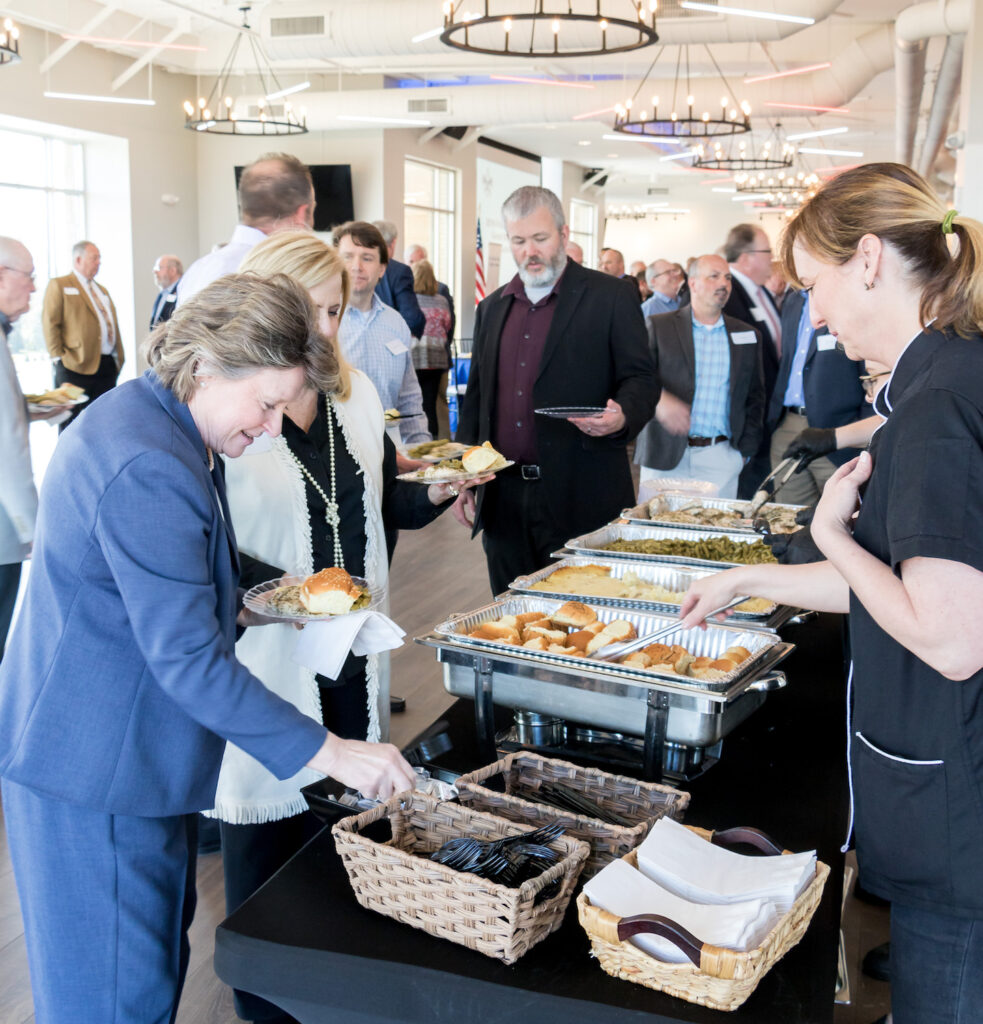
x=304 y=943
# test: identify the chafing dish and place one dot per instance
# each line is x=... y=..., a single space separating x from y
x=639 y=515
x=664 y=574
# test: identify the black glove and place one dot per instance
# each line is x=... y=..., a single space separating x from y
x=794 y=548
x=810 y=444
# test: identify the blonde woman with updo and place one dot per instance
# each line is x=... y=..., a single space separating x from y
x=896 y=277
x=323 y=493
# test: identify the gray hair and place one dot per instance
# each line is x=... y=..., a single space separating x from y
x=387 y=229
x=78 y=249
x=11 y=249
x=171 y=261
x=740 y=239
x=526 y=200
x=237 y=326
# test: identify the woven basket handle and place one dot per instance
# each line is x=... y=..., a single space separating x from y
x=749 y=836
x=665 y=928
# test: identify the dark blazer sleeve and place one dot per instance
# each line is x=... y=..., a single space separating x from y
x=404 y=298
x=469 y=404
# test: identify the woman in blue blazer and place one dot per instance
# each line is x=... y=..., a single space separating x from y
x=119 y=687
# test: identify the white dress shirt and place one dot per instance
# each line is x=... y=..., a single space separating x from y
x=218 y=262
x=770 y=318
x=107 y=338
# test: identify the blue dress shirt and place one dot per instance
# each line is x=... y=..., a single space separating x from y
x=795 y=391
x=658 y=303
x=710 y=414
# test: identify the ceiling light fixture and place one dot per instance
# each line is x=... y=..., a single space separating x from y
x=835 y=170
x=745 y=156
x=215 y=115
x=643 y=138
x=789 y=73
x=145 y=44
x=529 y=30
x=805 y=106
x=779 y=186
x=426 y=35
x=384 y=120
x=743 y=12
x=289 y=91
x=678 y=156
x=592 y=113
x=9 y=42
x=541 y=81
x=98 y=99
x=817 y=134
x=831 y=152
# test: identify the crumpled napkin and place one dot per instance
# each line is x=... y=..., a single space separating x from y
x=323 y=646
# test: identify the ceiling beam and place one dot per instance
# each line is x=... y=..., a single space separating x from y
x=430 y=133
x=69 y=44
x=144 y=60
x=468 y=137
x=596 y=176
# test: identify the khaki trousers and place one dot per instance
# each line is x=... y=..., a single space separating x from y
x=803 y=488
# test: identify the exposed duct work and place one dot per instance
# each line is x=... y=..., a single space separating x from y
x=946 y=90
x=490 y=105
x=909 y=78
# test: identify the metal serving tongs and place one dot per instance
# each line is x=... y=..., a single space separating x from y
x=620 y=647
x=772 y=483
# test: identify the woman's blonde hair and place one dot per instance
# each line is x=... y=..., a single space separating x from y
x=310 y=262
x=897 y=205
x=238 y=325
x=424 y=279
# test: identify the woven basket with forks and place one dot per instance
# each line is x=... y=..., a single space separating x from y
x=397 y=878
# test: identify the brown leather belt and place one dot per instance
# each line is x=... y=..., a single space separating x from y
x=705 y=442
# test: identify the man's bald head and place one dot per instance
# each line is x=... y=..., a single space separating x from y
x=575 y=251
x=276 y=193
x=16 y=278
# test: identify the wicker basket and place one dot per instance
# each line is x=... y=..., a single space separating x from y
x=723 y=979
x=645 y=802
x=395 y=878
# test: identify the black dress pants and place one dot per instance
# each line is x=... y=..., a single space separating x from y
x=95 y=384
x=9 y=582
x=430 y=388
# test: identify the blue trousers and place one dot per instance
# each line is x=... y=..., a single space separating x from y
x=936 y=968
x=107 y=900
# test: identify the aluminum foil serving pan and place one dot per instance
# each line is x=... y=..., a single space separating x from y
x=765 y=648
x=672 y=577
x=594 y=544
x=674 y=502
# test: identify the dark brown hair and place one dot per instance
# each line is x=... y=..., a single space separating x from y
x=362 y=233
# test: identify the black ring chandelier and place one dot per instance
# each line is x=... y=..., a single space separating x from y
x=9 y=42
x=774 y=155
x=780 y=184
x=535 y=31
x=216 y=115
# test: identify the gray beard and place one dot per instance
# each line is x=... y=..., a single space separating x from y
x=547 y=276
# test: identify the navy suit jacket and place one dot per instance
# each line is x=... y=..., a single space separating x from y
x=396 y=289
x=831 y=384
x=164 y=304
x=119 y=686
x=740 y=307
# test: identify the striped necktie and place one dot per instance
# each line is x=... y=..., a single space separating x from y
x=774 y=323
x=97 y=302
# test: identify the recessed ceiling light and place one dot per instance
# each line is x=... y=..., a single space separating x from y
x=613 y=156
x=584 y=142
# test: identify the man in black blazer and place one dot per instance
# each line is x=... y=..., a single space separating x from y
x=710 y=416
x=168 y=271
x=817 y=387
x=395 y=288
x=556 y=335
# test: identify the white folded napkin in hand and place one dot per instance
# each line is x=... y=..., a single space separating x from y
x=696 y=870
x=323 y=646
x=625 y=892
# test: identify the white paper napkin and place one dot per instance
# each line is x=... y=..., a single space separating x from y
x=323 y=646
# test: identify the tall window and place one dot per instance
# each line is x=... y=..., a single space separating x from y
x=583 y=229
x=430 y=216
x=42 y=195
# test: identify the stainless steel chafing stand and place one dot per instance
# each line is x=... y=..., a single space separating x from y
x=668 y=712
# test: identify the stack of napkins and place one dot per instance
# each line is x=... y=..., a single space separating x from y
x=682 y=862
x=624 y=892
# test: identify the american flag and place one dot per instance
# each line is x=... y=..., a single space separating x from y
x=479 y=270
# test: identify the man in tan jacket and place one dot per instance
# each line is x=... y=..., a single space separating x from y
x=81 y=329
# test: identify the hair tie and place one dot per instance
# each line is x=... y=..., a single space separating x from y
x=947 y=221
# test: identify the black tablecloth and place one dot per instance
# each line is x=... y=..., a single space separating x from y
x=303 y=942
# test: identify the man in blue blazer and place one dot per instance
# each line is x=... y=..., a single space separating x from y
x=395 y=288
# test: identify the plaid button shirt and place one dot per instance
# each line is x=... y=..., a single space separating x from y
x=368 y=341
x=710 y=415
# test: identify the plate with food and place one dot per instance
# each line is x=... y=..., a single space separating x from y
x=718 y=514
x=67 y=396
x=567 y=412
x=437 y=451
x=477 y=461
x=324 y=595
x=391 y=415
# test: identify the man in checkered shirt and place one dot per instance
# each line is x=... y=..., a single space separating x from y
x=710 y=416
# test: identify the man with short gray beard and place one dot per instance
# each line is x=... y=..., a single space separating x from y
x=561 y=338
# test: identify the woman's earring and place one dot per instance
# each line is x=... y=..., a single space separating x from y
x=868 y=285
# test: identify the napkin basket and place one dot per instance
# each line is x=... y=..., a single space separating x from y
x=644 y=802
x=397 y=879
x=719 y=978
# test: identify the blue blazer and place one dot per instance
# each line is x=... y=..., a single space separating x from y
x=831 y=384
x=119 y=686
x=396 y=289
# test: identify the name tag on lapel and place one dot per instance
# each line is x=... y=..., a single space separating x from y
x=170 y=298
x=71 y=291
x=396 y=347
x=744 y=338
x=757 y=312
x=825 y=342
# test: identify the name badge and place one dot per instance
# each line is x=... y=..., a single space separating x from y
x=396 y=347
x=744 y=338
x=825 y=342
x=170 y=298
x=757 y=312
x=71 y=291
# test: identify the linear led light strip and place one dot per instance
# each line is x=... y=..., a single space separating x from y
x=592 y=113
x=742 y=12
x=98 y=99
x=541 y=81
x=289 y=91
x=787 y=74
x=643 y=138
x=831 y=152
x=678 y=156
x=805 y=106
x=132 y=42
x=817 y=134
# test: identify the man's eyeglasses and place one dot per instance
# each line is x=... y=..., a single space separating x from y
x=759 y=250
x=16 y=270
x=868 y=381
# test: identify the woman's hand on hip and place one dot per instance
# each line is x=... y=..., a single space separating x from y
x=376 y=770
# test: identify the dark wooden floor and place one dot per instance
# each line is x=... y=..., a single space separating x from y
x=436 y=571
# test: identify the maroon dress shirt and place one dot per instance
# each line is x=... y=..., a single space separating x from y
x=520 y=352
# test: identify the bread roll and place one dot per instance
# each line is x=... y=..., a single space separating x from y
x=657 y=652
x=594 y=627
x=495 y=631
x=537 y=643
x=573 y=613
x=554 y=636
x=723 y=665
x=637 y=659
x=613 y=632
x=524 y=618
x=483 y=459
x=682 y=663
x=580 y=639
x=329 y=592
x=737 y=654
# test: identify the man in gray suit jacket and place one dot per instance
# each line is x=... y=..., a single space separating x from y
x=710 y=416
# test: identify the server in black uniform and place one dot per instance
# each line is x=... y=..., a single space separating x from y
x=894 y=275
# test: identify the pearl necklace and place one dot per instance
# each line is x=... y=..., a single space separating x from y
x=330 y=504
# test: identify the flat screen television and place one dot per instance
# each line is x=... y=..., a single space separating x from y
x=332 y=192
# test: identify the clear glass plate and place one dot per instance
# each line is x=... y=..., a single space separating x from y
x=258 y=600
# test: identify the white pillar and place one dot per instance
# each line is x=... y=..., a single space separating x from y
x=969 y=159
x=551 y=170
